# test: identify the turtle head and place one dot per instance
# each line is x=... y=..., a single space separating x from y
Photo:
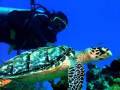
x=99 y=53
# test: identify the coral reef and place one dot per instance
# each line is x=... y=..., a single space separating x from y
x=100 y=79
x=115 y=65
x=106 y=78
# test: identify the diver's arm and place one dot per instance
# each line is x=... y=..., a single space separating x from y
x=36 y=31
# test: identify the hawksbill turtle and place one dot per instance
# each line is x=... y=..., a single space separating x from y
x=48 y=63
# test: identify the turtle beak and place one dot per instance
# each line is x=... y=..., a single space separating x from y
x=109 y=53
x=106 y=53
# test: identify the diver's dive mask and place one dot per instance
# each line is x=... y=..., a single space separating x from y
x=59 y=22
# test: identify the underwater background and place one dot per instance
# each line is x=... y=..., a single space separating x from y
x=90 y=22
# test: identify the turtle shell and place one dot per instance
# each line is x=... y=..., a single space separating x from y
x=35 y=60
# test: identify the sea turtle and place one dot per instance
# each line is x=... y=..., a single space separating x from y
x=48 y=63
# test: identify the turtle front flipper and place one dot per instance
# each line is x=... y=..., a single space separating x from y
x=76 y=76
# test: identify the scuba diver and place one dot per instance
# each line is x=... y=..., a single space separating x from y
x=25 y=30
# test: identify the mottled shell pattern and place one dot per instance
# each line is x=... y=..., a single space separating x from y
x=36 y=60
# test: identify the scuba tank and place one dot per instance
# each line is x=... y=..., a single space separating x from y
x=6 y=10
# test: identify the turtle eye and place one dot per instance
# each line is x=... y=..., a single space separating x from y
x=103 y=50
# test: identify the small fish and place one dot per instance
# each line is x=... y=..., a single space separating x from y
x=4 y=82
x=100 y=43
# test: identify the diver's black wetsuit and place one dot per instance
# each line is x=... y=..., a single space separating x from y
x=34 y=30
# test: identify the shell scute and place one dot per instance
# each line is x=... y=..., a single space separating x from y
x=38 y=59
x=6 y=69
x=20 y=64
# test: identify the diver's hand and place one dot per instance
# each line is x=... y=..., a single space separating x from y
x=49 y=44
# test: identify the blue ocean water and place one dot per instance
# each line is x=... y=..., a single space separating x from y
x=90 y=22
